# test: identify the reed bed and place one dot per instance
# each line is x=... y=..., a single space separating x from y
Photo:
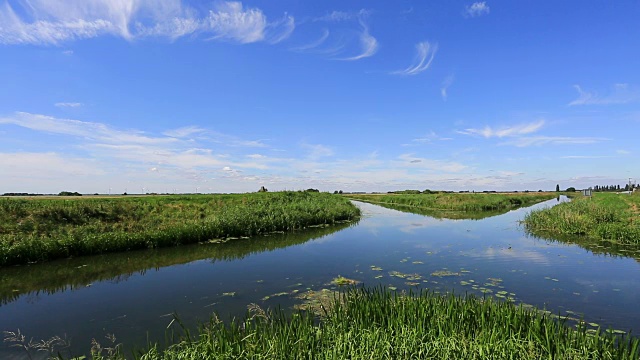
x=34 y=230
x=607 y=218
x=446 y=203
x=379 y=324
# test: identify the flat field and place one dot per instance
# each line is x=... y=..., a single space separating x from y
x=37 y=229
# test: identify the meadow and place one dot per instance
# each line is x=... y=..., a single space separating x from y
x=380 y=324
x=35 y=230
x=454 y=206
x=604 y=220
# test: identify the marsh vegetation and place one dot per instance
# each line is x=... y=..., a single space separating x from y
x=34 y=230
x=454 y=206
x=382 y=324
x=605 y=220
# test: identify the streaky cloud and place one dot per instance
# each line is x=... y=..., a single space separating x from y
x=314 y=44
x=516 y=130
x=424 y=57
x=444 y=89
x=526 y=141
x=52 y=22
x=368 y=43
x=620 y=94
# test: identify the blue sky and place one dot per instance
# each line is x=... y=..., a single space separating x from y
x=171 y=95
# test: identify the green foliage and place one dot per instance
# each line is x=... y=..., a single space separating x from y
x=606 y=217
x=45 y=229
x=571 y=189
x=69 y=193
x=378 y=324
x=558 y=188
x=456 y=206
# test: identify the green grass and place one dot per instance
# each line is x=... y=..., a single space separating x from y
x=378 y=324
x=454 y=206
x=607 y=219
x=34 y=230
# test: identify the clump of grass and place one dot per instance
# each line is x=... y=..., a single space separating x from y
x=45 y=229
x=606 y=218
x=343 y=281
x=376 y=323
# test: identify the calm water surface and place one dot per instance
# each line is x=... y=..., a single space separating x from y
x=133 y=295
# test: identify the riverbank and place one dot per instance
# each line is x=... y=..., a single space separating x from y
x=35 y=230
x=454 y=205
x=606 y=218
x=380 y=324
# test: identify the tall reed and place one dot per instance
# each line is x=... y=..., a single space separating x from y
x=43 y=229
x=378 y=324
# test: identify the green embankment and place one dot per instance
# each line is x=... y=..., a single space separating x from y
x=33 y=230
x=377 y=324
x=605 y=220
x=454 y=206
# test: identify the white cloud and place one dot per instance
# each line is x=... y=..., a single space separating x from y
x=429 y=138
x=446 y=83
x=516 y=130
x=584 y=157
x=430 y=164
x=623 y=152
x=368 y=44
x=184 y=131
x=336 y=16
x=477 y=9
x=314 y=44
x=57 y=21
x=620 y=94
x=317 y=151
x=68 y=104
x=425 y=54
x=553 y=140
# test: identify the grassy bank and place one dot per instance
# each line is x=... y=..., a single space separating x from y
x=454 y=206
x=607 y=218
x=33 y=230
x=377 y=324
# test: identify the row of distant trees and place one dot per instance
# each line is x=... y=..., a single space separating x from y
x=626 y=187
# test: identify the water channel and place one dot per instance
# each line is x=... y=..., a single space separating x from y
x=133 y=295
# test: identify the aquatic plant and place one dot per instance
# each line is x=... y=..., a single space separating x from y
x=376 y=323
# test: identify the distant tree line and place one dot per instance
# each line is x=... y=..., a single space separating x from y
x=603 y=188
x=69 y=193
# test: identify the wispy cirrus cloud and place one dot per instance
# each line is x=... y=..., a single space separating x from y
x=619 y=94
x=314 y=44
x=425 y=52
x=585 y=157
x=68 y=104
x=526 y=141
x=51 y=22
x=444 y=88
x=477 y=9
x=516 y=130
x=368 y=44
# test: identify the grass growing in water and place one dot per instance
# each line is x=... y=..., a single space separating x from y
x=44 y=229
x=378 y=324
x=454 y=206
x=606 y=218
